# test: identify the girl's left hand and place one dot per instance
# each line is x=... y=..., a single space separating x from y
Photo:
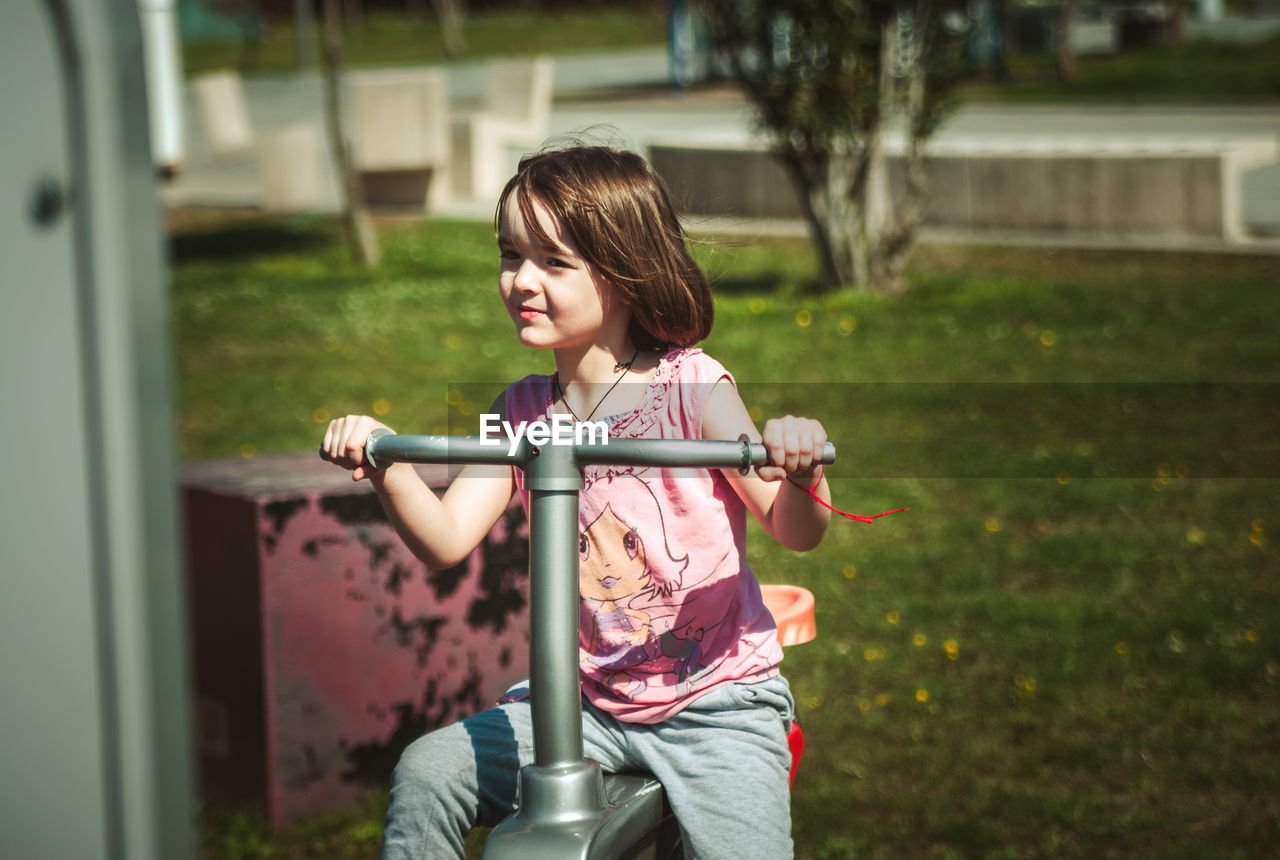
x=794 y=445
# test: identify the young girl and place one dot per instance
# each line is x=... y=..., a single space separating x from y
x=679 y=657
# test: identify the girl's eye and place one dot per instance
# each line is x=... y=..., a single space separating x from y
x=584 y=549
x=557 y=263
x=631 y=543
x=509 y=255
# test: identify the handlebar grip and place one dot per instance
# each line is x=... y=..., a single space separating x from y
x=369 y=445
x=755 y=454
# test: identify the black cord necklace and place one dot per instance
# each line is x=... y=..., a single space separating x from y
x=624 y=367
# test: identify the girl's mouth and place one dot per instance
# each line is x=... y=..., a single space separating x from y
x=527 y=313
x=609 y=582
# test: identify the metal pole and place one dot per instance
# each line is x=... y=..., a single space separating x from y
x=553 y=479
x=553 y=614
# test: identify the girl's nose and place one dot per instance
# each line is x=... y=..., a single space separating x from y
x=526 y=279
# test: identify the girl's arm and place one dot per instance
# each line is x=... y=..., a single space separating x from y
x=776 y=495
x=441 y=531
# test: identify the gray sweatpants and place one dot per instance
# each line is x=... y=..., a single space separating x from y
x=723 y=761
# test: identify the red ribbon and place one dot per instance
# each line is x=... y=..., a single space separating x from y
x=862 y=518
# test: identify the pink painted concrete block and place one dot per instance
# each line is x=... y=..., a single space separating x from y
x=322 y=646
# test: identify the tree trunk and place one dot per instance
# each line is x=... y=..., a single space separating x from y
x=897 y=241
x=866 y=209
x=358 y=226
x=252 y=34
x=810 y=181
x=1175 y=30
x=1066 y=56
x=896 y=244
x=450 y=13
x=834 y=196
x=871 y=186
x=304 y=35
x=1004 y=31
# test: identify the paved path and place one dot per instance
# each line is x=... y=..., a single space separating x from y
x=623 y=97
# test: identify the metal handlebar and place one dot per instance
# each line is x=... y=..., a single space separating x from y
x=384 y=448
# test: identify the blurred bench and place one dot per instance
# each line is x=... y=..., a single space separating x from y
x=224 y=116
x=295 y=171
x=515 y=112
x=1158 y=188
x=400 y=137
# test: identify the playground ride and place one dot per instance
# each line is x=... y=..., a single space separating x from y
x=568 y=807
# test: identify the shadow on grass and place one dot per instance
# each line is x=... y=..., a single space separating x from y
x=765 y=283
x=248 y=239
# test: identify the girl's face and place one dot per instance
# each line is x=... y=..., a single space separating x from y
x=556 y=298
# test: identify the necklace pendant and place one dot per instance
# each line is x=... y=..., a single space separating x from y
x=555 y=381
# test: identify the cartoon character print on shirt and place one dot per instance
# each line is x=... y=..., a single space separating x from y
x=628 y=574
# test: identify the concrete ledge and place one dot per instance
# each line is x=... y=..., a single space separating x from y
x=322 y=647
x=1079 y=186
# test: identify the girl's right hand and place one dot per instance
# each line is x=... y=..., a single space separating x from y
x=344 y=442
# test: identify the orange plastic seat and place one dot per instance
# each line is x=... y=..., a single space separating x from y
x=792 y=610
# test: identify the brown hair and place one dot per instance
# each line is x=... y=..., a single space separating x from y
x=617 y=212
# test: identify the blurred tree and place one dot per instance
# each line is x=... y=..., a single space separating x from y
x=826 y=78
x=451 y=14
x=1065 y=51
x=1175 y=15
x=362 y=238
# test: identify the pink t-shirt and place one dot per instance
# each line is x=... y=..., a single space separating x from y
x=669 y=609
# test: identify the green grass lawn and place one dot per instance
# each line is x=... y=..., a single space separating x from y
x=1198 y=72
x=1036 y=664
x=385 y=39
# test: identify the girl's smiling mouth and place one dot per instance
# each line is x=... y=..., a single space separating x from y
x=528 y=313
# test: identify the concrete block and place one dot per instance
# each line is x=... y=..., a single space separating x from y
x=223 y=115
x=295 y=172
x=322 y=647
x=519 y=91
x=516 y=112
x=400 y=137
